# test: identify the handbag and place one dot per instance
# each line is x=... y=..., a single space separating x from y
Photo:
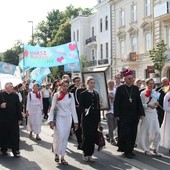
x=99 y=140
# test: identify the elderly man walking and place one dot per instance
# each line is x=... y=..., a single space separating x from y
x=10 y=118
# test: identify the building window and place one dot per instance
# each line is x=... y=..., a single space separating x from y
x=134 y=44
x=122 y=17
x=74 y=36
x=148 y=41
x=106 y=22
x=92 y=33
x=101 y=26
x=147 y=7
x=101 y=51
x=93 y=55
x=77 y=35
x=168 y=36
x=107 y=50
x=133 y=9
x=122 y=48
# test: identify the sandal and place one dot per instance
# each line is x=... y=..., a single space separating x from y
x=38 y=138
x=57 y=159
x=63 y=162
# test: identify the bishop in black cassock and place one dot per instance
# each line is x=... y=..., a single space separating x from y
x=127 y=109
x=10 y=116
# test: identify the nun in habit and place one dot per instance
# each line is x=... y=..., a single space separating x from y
x=34 y=111
x=60 y=119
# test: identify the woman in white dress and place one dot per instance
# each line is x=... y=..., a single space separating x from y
x=60 y=118
x=165 y=129
x=34 y=111
x=149 y=132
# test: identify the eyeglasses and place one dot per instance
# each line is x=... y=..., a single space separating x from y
x=131 y=78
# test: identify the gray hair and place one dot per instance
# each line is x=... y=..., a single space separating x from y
x=8 y=84
x=164 y=79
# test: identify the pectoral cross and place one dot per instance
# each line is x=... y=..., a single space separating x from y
x=130 y=100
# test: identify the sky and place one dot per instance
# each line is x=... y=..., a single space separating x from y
x=15 y=14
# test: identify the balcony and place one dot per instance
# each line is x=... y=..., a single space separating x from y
x=91 y=40
x=103 y=61
x=92 y=63
x=162 y=11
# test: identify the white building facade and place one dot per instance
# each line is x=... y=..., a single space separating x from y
x=162 y=28
x=93 y=37
x=132 y=36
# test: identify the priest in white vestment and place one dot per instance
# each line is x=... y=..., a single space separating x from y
x=165 y=129
x=60 y=117
x=34 y=111
x=149 y=132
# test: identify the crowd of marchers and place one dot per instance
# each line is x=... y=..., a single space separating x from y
x=138 y=114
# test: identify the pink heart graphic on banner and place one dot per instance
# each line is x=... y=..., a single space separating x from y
x=59 y=59
x=72 y=47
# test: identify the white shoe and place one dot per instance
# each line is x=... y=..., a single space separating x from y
x=148 y=153
x=157 y=153
x=85 y=158
x=91 y=159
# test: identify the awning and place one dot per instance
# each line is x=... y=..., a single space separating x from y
x=100 y=68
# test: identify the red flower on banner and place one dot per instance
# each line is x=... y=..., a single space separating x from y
x=25 y=53
x=59 y=59
x=72 y=47
x=148 y=93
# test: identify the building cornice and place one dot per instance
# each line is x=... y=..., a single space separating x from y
x=99 y=5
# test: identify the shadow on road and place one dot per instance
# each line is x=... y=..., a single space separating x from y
x=12 y=163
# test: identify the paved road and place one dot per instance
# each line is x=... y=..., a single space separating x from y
x=37 y=155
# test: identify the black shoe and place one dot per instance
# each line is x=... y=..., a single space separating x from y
x=133 y=154
x=120 y=150
x=79 y=147
x=129 y=156
x=4 y=153
x=16 y=154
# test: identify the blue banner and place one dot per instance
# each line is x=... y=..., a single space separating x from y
x=36 y=56
x=40 y=73
x=72 y=67
x=7 y=68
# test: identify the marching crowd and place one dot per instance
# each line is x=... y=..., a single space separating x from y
x=138 y=114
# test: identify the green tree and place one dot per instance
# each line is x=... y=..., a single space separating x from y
x=11 y=55
x=159 y=56
x=84 y=62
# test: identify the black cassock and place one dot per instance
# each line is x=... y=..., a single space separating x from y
x=128 y=107
x=90 y=120
x=9 y=117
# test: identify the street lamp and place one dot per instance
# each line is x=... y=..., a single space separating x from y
x=32 y=31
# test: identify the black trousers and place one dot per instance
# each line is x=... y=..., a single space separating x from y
x=127 y=132
x=78 y=132
x=46 y=105
x=9 y=136
x=160 y=113
x=89 y=128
